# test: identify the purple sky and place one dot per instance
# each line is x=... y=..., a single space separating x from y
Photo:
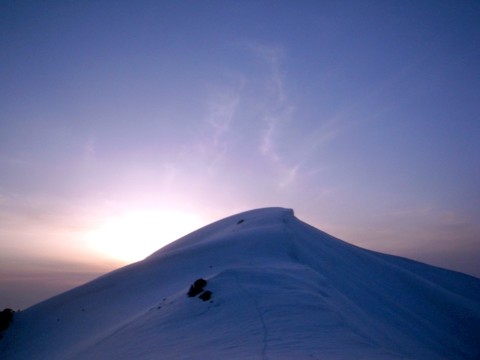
x=124 y=125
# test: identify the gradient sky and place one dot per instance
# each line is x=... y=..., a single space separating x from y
x=126 y=124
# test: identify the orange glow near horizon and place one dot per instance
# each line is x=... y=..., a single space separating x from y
x=135 y=235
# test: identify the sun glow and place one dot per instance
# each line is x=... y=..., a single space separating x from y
x=137 y=234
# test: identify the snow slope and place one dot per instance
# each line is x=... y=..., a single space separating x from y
x=281 y=289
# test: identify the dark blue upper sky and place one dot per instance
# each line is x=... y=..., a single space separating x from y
x=363 y=116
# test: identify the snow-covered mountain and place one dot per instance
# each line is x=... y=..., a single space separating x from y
x=279 y=289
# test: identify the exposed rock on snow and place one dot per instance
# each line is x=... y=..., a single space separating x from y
x=206 y=295
x=6 y=317
x=283 y=290
x=197 y=287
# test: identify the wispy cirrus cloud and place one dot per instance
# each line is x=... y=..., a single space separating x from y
x=255 y=107
x=222 y=106
x=277 y=111
x=276 y=108
x=292 y=156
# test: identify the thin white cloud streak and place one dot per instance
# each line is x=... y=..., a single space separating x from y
x=352 y=113
x=222 y=106
x=277 y=112
x=324 y=134
x=263 y=102
x=278 y=118
x=273 y=57
x=289 y=176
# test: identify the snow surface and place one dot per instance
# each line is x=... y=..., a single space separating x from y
x=281 y=289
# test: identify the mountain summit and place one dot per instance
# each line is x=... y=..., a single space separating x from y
x=258 y=285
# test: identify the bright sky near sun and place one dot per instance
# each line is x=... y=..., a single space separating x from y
x=127 y=124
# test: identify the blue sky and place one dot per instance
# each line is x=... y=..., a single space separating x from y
x=362 y=116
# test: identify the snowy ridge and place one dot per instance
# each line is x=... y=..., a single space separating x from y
x=281 y=289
